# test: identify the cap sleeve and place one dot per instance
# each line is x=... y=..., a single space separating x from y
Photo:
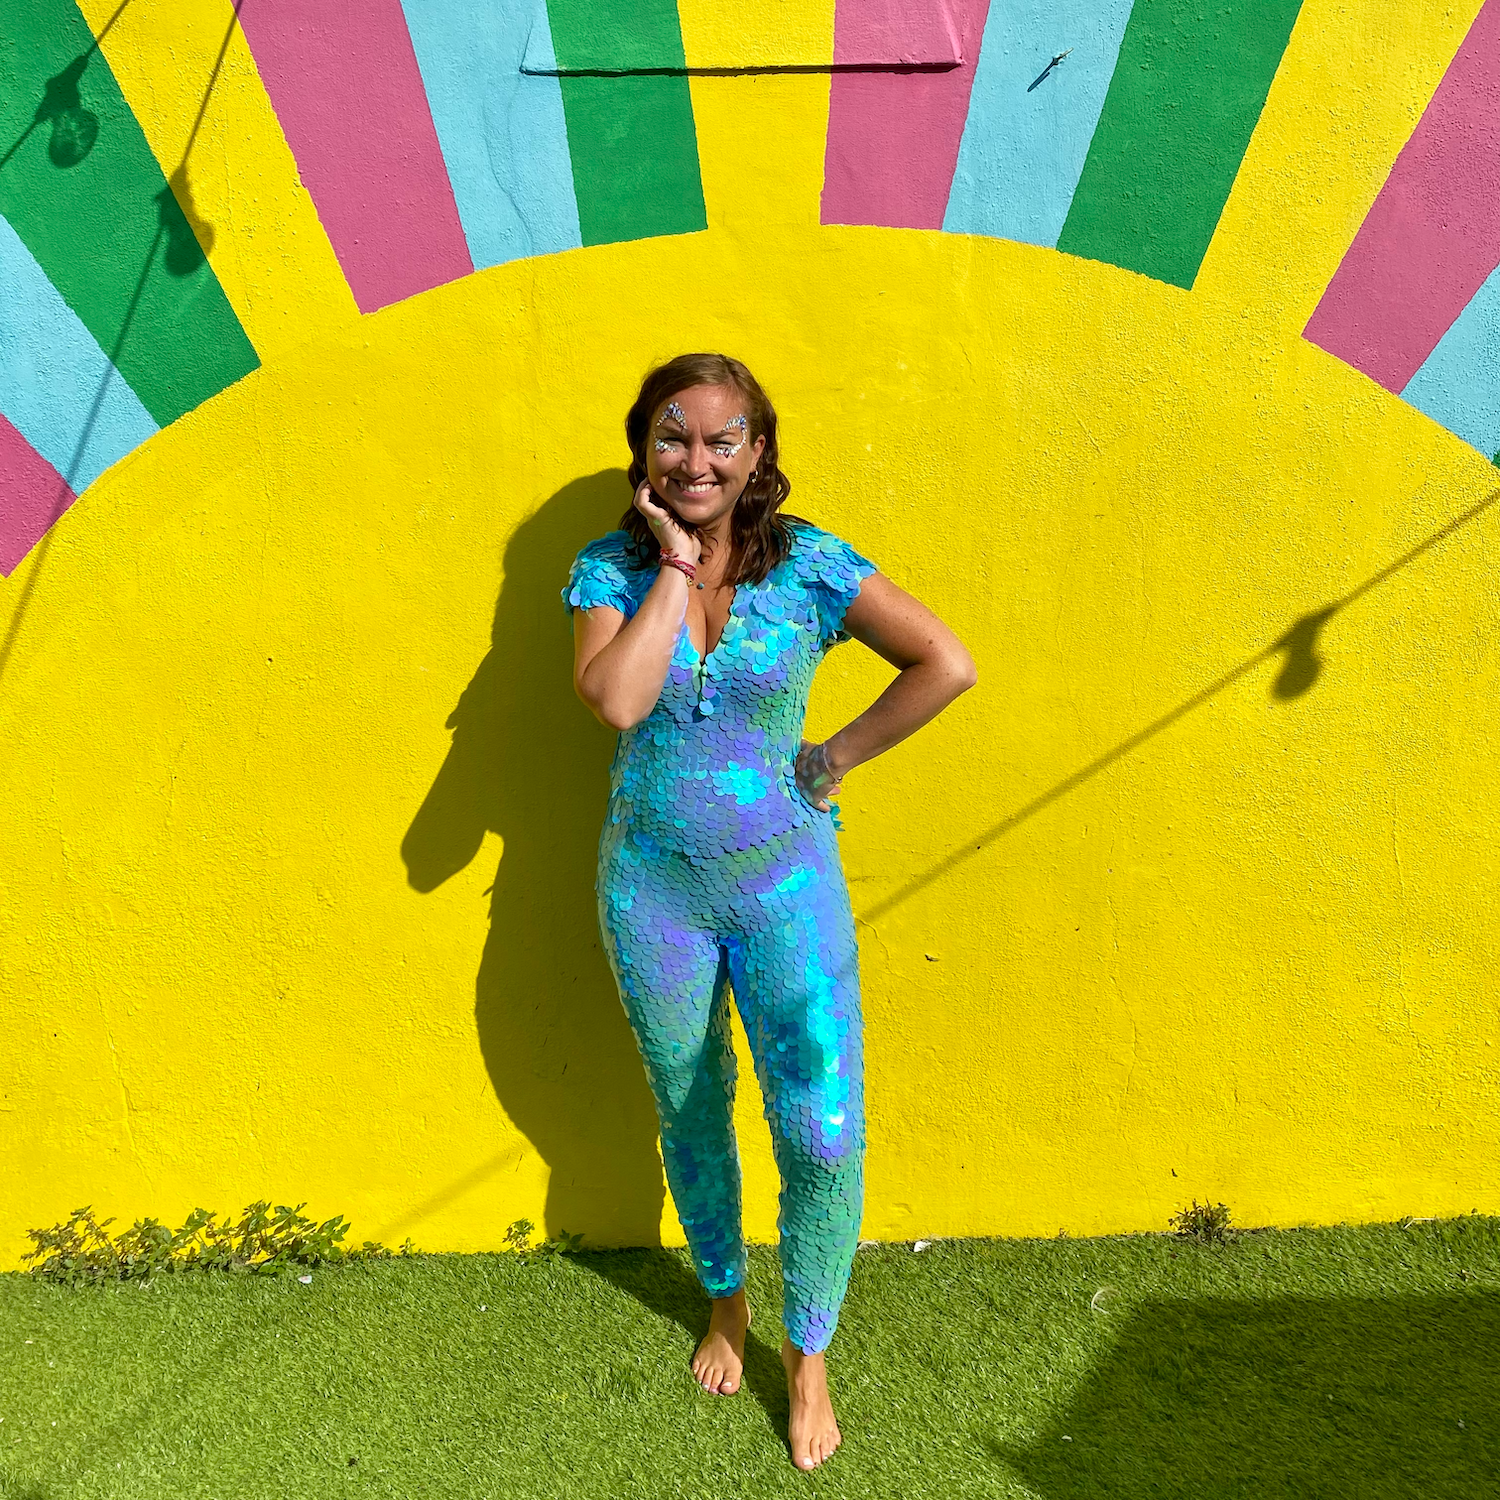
x=599 y=577
x=833 y=571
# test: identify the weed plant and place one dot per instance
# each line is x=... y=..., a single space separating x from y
x=1207 y=1223
x=80 y=1250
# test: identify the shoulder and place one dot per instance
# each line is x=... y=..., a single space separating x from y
x=612 y=549
x=603 y=573
x=820 y=556
x=829 y=572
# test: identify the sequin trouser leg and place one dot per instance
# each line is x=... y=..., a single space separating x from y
x=773 y=921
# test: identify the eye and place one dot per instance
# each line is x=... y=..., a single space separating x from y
x=726 y=450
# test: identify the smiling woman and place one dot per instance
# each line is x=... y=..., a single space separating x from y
x=701 y=622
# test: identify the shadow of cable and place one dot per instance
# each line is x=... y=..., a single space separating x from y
x=75 y=129
x=1299 y=671
x=529 y=763
x=176 y=224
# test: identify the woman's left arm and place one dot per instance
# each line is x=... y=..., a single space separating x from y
x=933 y=669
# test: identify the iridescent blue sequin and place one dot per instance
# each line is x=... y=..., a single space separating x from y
x=715 y=871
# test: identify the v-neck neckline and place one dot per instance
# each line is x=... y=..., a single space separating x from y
x=703 y=659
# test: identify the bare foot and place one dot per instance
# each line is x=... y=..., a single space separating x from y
x=812 y=1431
x=720 y=1360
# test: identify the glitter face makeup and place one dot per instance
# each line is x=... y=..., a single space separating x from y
x=672 y=412
x=723 y=447
x=744 y=428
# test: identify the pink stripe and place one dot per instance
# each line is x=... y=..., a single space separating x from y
x=344 y=80
x=893 y=137
x=32 y=496
x=1433 y=235
x=890 y=31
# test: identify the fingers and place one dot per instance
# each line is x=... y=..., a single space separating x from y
x=647 y=503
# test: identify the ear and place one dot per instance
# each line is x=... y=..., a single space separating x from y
x=757 y=450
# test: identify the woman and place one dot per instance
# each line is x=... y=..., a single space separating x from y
x=697 y=630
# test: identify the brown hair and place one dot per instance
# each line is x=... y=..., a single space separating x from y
x=760 y=537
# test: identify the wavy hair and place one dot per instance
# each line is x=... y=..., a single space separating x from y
x=760 y=536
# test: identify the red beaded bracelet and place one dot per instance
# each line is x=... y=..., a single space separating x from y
x=682 y=565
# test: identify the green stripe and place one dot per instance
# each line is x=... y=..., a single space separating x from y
x=632 y=140
x=1188 y=87
x=85 y=194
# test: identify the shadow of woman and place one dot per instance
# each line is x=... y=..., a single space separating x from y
x=530 y=763
x=663 y=1285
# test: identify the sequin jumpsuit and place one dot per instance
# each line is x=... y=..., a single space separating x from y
x=714 y=868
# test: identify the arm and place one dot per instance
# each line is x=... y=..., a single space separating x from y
x=934 y=668
x=620 y=665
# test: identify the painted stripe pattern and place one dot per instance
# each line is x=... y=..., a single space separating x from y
x=893 y=137
x=349 y=95
x=631 y=140
x=57 y=386
x=1187 y=90
x=113 y=322
x=1458 y=384
x=32 y=496
x=428 y=149
x=1109 y=129
x=1029 y=124
x=502 y=131
x=1433 y=235
x=86 y=197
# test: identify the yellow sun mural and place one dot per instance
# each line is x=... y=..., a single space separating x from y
x=313 y=385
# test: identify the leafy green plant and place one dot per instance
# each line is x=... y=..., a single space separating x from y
x=518 y=1240
x=265 y=1241
x=1208 y=1223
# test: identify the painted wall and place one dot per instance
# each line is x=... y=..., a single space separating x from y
x=1153 y=345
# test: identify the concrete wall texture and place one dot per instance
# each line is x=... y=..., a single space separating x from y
x=1154 y=345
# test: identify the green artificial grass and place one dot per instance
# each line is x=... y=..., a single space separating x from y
x=1347 y=1362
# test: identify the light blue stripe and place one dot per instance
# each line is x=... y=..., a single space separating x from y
x=1023 y=153
x=57 y=386
x=503 y=135
x=1459 y=382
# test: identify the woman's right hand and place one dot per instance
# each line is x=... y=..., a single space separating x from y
x=668 y=531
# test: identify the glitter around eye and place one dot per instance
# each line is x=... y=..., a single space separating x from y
x=665 y=445
x=675 y=413
x=744 y=428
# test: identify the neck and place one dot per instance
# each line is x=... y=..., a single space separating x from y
x=719 y=535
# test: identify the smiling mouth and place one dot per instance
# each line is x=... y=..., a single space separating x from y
x=701 y=487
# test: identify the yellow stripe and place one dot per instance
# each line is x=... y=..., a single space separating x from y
x=239 y=186
x=761 y=139
x=1351 y=87
x=757 y=34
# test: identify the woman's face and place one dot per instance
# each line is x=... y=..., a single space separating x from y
x=699 y=454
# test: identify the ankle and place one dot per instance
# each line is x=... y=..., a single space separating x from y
x=733 y=1306
x=803 y=1366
